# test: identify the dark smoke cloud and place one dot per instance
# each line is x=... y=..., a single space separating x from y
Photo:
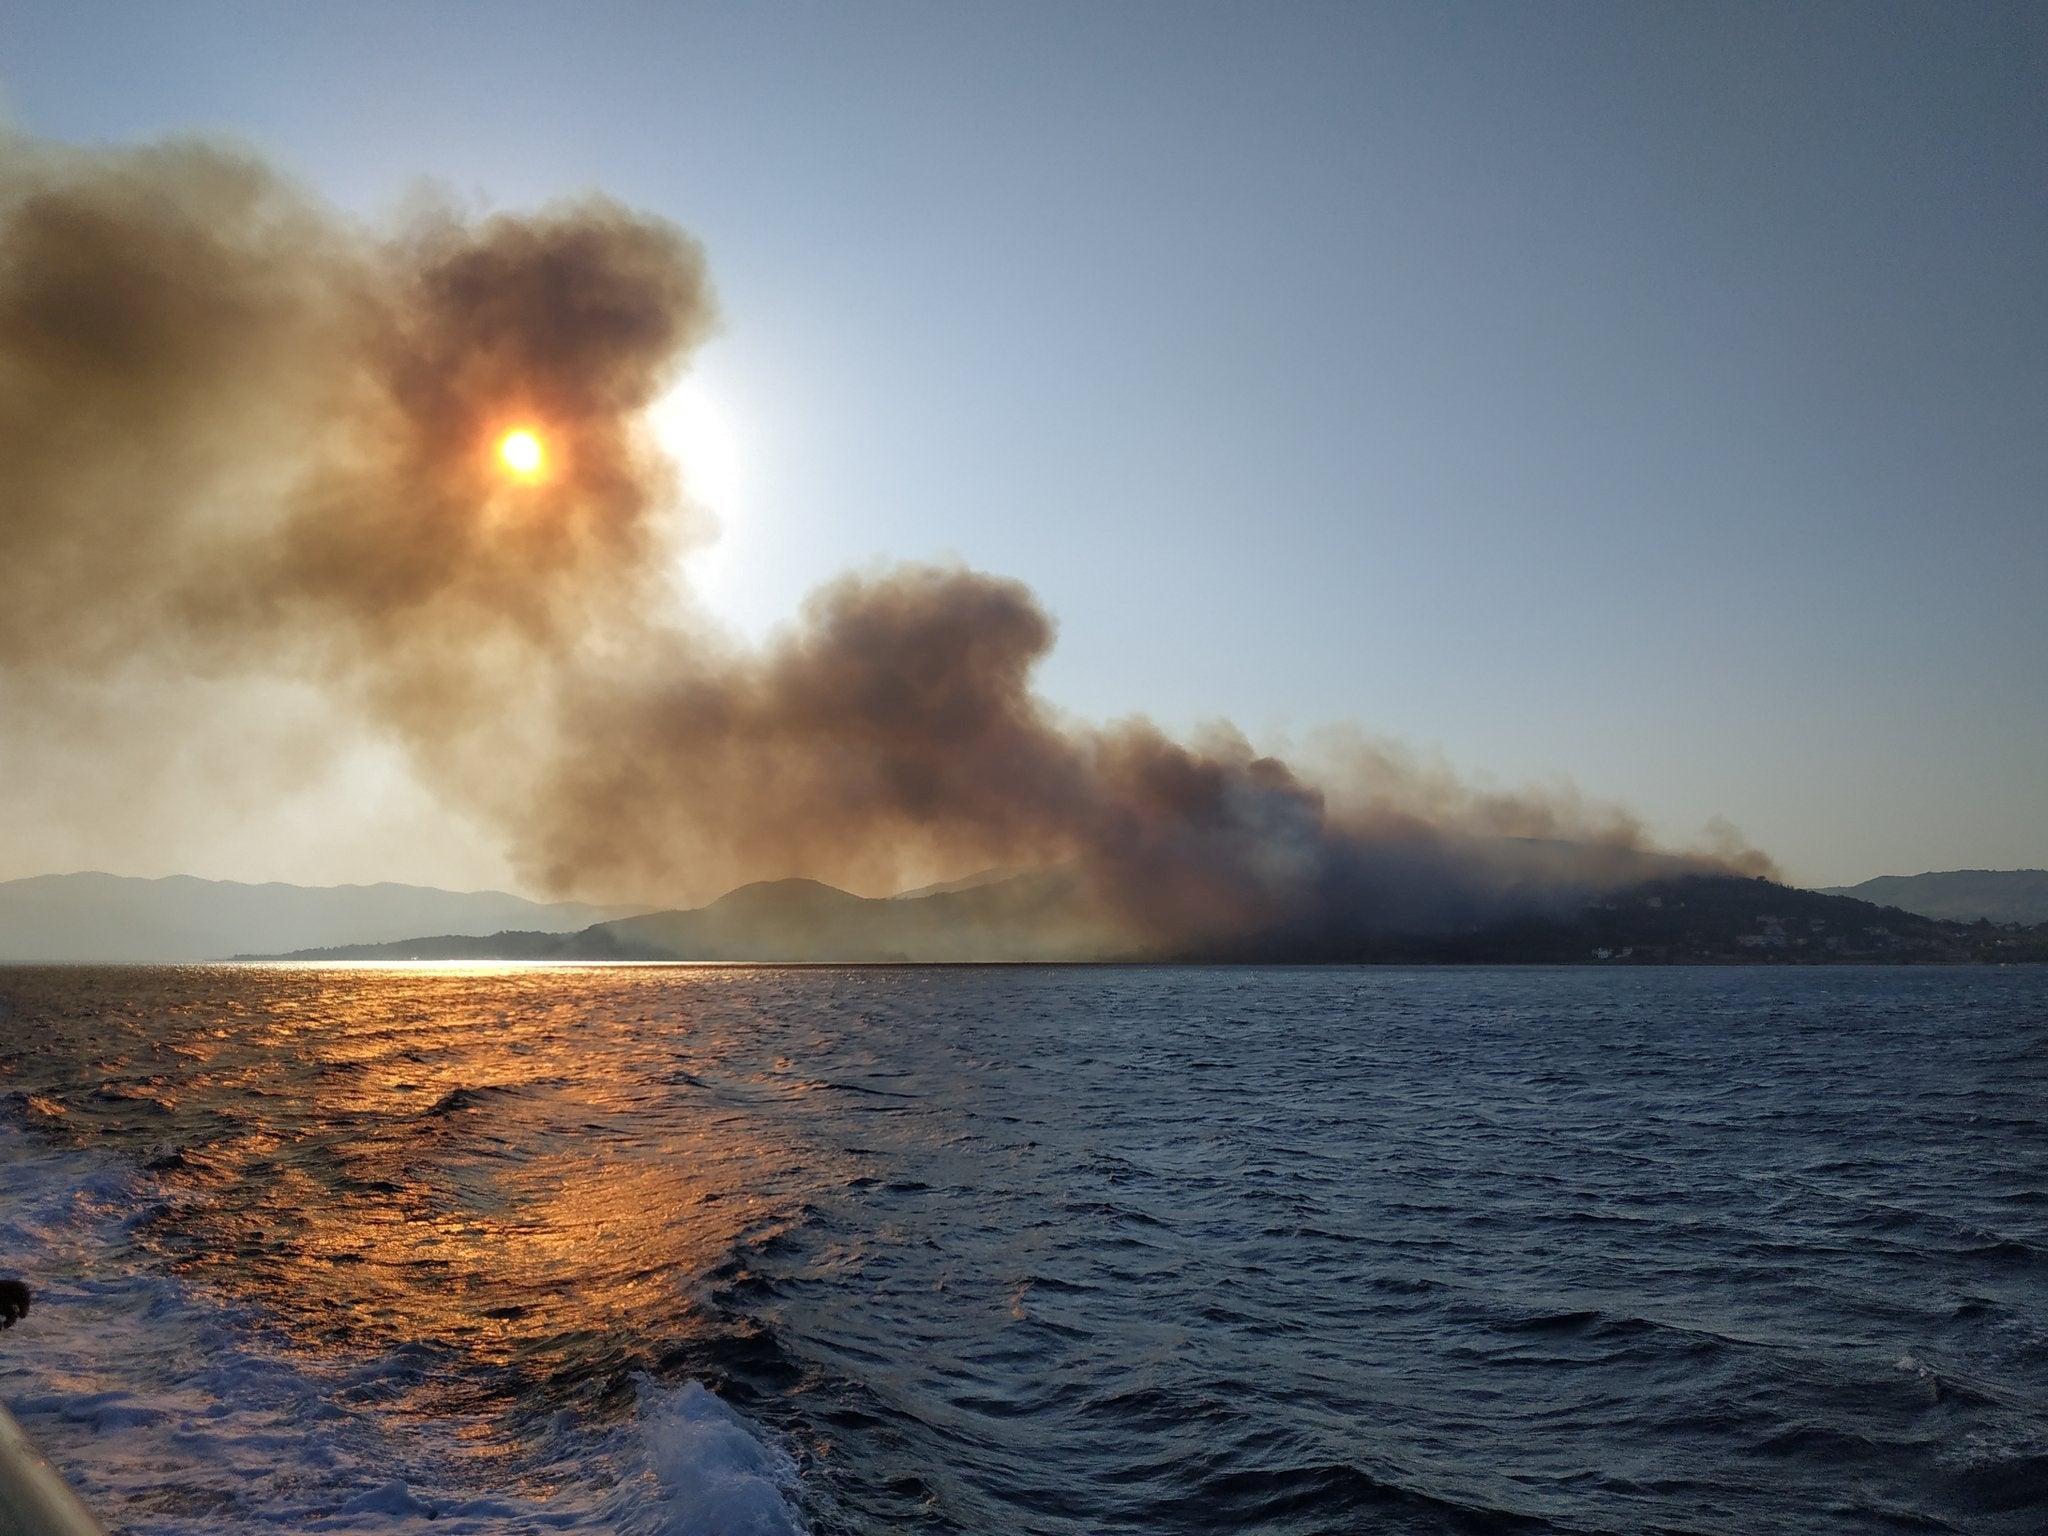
x=243 y=436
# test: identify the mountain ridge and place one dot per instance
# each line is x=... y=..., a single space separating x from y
x=1960 y=895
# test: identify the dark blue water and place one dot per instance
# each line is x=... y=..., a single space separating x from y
x=1040 y=1250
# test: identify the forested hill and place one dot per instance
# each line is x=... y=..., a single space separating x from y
x=1722 y=919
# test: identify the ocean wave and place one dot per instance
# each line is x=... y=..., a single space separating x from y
x=1331 y=1495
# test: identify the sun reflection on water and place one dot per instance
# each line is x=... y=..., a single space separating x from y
x=516 y=1170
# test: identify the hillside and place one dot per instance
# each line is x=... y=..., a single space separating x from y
x=1961 y=895
x=1032 y=916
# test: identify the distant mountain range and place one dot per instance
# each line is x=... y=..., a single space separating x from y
x=1961 y=895
x=113 y=919
x=1649 y=913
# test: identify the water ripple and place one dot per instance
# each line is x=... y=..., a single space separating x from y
x=1093 y=1250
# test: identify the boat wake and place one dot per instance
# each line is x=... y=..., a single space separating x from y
x=173 y=1412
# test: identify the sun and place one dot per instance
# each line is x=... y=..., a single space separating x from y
x=521 y=453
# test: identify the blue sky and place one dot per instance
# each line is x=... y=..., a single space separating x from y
x=1650 y=397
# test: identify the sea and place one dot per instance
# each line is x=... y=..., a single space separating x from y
x=753 y=1251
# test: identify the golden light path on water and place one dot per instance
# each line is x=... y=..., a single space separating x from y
x=529 y=1170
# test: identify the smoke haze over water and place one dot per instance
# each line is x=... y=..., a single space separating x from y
x=251 y=444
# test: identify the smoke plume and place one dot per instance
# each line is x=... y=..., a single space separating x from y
x=246 y=438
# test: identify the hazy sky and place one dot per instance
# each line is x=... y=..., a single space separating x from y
x=1649 y=396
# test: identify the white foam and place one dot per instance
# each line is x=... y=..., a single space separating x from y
x=702 y=1470
x=171 y=1413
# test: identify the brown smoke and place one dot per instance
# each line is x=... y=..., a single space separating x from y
x=245 y=437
